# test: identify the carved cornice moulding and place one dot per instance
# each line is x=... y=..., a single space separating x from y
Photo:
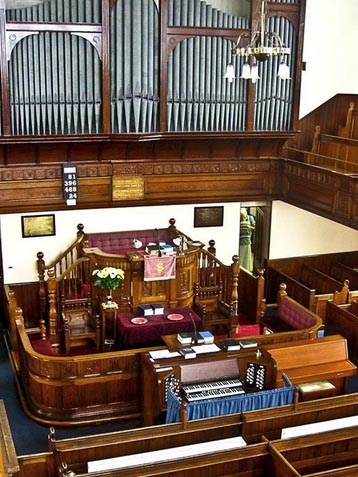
x=39 y=173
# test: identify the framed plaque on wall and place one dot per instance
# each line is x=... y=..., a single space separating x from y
x=208 y=216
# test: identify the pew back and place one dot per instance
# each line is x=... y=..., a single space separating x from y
x=342 y=272
x=319 y=453
x=350 y=129
x=338 y=153
x=341 y=320
x=76 y=452
x=322 y=283
x=251 y=294
x=328 y=453
x=269 y=422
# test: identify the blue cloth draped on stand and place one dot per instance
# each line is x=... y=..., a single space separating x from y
x=228 y=405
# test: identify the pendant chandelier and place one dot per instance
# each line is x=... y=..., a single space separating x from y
x=259 y=47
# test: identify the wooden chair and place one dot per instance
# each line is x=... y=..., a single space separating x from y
x=215 y=313
x=80 y=325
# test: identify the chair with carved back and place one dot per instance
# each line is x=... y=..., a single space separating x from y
x=215 y=312
x=80 y=325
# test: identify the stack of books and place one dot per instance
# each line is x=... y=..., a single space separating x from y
x=167 y=249
x=158 y=309
x=248 y=344
x=190 y=337
x=195 y=337
x=187 y=352
x=148 y=310
x=208 y=337
x=155 y=248
x=230 y=344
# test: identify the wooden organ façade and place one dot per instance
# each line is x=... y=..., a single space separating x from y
x=242 y=373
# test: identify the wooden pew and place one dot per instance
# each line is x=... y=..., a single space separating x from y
x=251 y=461
x=320 y=281
x=288 y=315
x=308 y=361
x=350 y=129
x=332 y=453
x=337 y=153
x=251 y=293
x=343 y=320
x=310 y=455
x=308 y=296
x=8 y=460
x=76 y=452
x=251 y=425
x=270 y=422
x=342 y=272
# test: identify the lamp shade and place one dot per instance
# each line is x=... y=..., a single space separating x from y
x=246 y=73
x=254 y=73
x=230 y=72
x=283 y=71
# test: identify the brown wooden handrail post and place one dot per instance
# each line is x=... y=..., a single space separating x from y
x=281 y=292
x=296 y=398
x=51 y=448
x=235 y=271
x=261 y=300
x=211 y=248
x=184 y=414
x=52 y=297
x=80 y=244
x=173 y=231
x=12 y=318
x=42 y=287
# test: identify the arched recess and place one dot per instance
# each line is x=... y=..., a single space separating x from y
x=199 y=97
x=54 y=74
x=273 y=96
x=55 y=85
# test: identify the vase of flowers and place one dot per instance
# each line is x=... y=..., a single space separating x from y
x=109 y=278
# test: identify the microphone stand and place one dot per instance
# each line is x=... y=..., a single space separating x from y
x=159 y=251
x=195 y=339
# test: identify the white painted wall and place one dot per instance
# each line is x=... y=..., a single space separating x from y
x=19 y=254
x=295 y=232
x=330 y=52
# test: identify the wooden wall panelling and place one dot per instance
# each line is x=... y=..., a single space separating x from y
x=27 y=299
x=175 y=167
x=80 y=388
x=328 y=116
x=319 y=191
x=292 y=267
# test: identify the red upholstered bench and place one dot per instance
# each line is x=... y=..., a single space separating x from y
x=121 y=243
x=288 y=315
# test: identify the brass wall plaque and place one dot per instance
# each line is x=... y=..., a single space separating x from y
x=127 y=187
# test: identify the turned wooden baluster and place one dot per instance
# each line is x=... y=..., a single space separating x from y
x=53 y=315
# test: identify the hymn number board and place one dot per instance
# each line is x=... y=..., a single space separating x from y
x=70 y=183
